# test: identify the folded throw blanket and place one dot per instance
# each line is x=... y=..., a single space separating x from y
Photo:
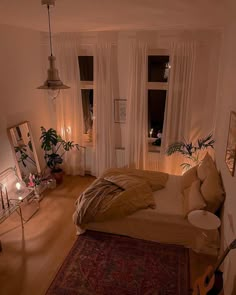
x=118 y=193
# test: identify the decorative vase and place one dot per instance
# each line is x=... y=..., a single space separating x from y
x=37 y=190
x=58 y=176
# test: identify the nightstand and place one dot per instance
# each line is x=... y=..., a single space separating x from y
x=207 y=223
x=204 y=220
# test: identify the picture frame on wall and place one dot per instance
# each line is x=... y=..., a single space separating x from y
x=230 y=154
x=120 y=110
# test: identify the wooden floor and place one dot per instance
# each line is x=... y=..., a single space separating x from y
x=31 y=258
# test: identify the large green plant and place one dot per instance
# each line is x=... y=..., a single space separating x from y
x=191 y=151
x=54 y=148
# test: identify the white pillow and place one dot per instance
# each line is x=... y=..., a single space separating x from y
x=193 y=199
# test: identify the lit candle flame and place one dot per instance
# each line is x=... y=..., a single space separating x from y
x=151 y=131
x=18 y=186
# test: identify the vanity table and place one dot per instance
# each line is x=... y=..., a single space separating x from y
x=8 y=210
x=16 y=203
x=28 y=202
x=13 y=198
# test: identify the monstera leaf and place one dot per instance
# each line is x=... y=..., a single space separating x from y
x=49 y=138
x=55 y=147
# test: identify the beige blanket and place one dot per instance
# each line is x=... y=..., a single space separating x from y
x=119 y=192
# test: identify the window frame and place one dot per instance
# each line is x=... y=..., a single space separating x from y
x=87 y=85
x=156 y=86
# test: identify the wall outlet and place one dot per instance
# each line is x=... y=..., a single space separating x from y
x=231 y=223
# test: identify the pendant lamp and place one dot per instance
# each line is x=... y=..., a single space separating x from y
x=53 y=83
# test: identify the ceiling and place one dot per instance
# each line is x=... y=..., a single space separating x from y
x=103 y=15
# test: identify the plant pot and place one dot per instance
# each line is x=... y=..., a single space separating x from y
x=58 y=176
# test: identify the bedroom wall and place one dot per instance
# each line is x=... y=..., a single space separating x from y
x=226 y=103
x=21 y=73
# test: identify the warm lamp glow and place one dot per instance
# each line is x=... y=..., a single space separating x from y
x=68 y=129
x=151 y=131
x=18 y=186
x=53 y=82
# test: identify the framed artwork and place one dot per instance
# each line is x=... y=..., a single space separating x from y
x=230 y=154
x=120 y=110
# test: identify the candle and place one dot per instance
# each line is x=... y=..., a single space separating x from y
x=151 y=131
x=18 y=186
x=8 y=204
x=3 y=207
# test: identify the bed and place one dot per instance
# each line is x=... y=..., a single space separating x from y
x=167 y=222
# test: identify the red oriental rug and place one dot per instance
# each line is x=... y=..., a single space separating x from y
x=107 y=264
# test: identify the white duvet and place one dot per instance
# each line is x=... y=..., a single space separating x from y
x=166 y=223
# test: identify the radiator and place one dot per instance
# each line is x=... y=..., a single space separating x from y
x=120 y=158
x=152 y=160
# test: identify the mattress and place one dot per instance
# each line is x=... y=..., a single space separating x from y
x=165 y=224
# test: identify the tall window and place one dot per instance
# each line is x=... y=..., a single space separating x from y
x=87 y=85
x=157 y=86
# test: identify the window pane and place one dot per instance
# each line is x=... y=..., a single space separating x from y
x=158 y=68
x=87 y=102
x=86 y=68
x=156 y=112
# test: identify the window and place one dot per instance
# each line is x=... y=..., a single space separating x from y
x=86 y=68
x=157 y=86
x=87 y=93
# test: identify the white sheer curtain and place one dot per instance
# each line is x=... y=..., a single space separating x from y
x=136 y=119
x=177 y=123
x=104 y=135
x=69 y=113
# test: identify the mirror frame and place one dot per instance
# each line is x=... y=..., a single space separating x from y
x=13 y=149
x=230 y=152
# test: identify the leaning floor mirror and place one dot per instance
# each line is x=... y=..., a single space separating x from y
x=24 y=153
x=230 y=155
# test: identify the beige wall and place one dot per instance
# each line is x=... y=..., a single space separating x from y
x=227 y=102
x=21 y=73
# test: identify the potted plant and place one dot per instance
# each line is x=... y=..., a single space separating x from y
x=54 y=148
x=191 y=151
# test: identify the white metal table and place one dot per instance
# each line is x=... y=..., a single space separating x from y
x=204 y=220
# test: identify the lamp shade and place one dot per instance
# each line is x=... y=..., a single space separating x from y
x=53 y=80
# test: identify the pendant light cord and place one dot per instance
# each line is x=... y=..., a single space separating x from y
x=49 y=26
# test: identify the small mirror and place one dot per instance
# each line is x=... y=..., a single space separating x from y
x=230 y=155
x=23 y=148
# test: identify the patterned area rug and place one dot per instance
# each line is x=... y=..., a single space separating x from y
x=105 y=264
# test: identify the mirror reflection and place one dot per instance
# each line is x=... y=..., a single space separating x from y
x=23 y=148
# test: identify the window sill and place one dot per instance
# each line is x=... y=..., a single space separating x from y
x=153 y=148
